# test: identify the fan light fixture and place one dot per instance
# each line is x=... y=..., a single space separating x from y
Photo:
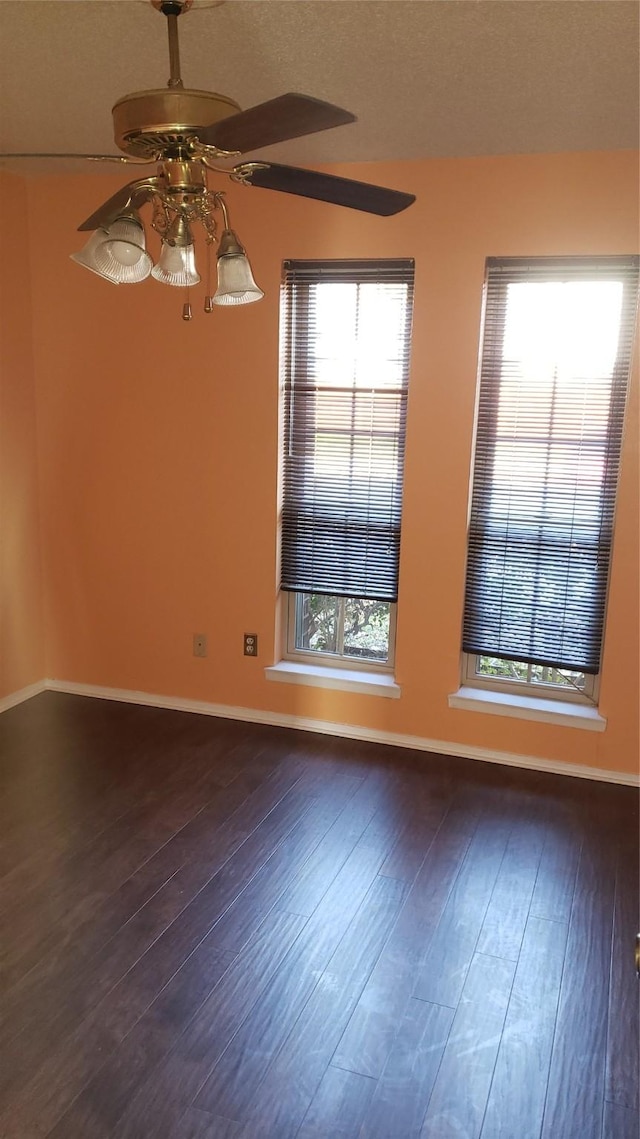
x=187 y=133
x=119 y=253
x=122 y=256
x=236 y=285
x=86 y=257
x=176 y=266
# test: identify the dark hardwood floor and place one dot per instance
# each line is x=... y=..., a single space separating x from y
x=215 y=930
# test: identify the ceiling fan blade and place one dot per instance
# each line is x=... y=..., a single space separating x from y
x=288 y=116
x=89 y=157
x=326 y=188
x=132 y=195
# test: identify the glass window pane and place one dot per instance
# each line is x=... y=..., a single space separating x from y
x=366 y=629
x=364 y=635
x=359 y=334
x=504 y=669
x=533 y=674
x=563 y=329
x=317 y=622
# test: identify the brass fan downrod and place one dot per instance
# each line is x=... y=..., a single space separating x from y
x=172 y=9
x=175 y=79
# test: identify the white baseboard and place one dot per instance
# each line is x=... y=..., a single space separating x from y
x=348 y=731
x=14 y=698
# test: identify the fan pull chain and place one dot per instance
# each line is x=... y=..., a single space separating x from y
x=187 y=314
x=208 y=300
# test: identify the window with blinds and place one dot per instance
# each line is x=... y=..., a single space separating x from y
x=346 y=328
x=555 y=362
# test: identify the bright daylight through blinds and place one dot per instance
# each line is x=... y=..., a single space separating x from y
x=346 y=341
x=554 y=372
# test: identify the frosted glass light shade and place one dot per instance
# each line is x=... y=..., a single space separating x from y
x=122 y=256
x=86 y=257
x=176 y=266
x=236 y=285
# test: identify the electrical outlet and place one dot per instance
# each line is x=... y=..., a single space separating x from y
x=251 y=644
x=199 y=644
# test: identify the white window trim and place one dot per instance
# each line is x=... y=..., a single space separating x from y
x=334 y=662
x=586 y=697
x=519 y=706
x=371 y=683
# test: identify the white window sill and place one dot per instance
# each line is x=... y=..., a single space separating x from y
x=342 y=679
x=528 y=708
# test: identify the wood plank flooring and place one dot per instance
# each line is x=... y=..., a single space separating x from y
x=215 y=930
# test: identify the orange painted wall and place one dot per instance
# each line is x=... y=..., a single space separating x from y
x=159 y=446
x=21 y=632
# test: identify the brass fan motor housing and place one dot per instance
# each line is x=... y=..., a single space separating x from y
x=147 y=122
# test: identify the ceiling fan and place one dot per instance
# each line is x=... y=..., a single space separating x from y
x=188 y=133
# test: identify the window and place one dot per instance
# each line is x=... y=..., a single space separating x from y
x=345 y=364
x=506 y=675
x=352 y=629
x=554 y=370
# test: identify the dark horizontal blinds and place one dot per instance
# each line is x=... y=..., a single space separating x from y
x=556 y=354
x=346 y=341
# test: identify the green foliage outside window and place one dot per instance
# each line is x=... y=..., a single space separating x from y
x=352 y=626
x=528 y=673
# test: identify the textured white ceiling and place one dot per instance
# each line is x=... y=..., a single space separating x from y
x=425 y=77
